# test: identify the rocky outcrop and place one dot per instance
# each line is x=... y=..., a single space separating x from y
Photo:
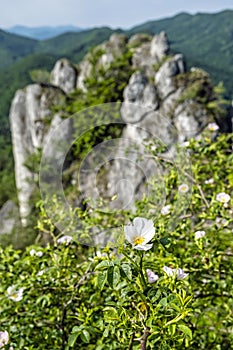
x=64 y=75
x=138 y=93
x=150 y=53
x=105 y=54
x=30 y=117
x=154 y=108
x=164 y=78
x=9 y=217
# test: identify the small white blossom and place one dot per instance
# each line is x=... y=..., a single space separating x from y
x=183 y=188
x=152 y=277
x=175 y=272
x=181 y=274
x=209 y=181
x=213 y=127
x=14 y=294
x=199 y=234
x=33 y=252
x=169 y=271
x=166 y=209
x=40 y=273
x=223 y=197
x=220 y=221
x=140 y=233
x=64 y=240
x=4 y=338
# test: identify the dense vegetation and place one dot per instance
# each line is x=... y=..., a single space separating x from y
x=68 y=296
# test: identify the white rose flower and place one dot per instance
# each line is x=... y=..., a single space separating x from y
x=39 y=254
x=175 y=272
x=140 y=233
x=199 y=234
x=183 y=188
x=152 y=277
x=169 y=271
x=64 y=240
x=166 y=209
x=4 y=338
x=223 y=197
x=14 y=294
x=213 y=127
x=209 y=181
x=181 y=274
x=33 y=252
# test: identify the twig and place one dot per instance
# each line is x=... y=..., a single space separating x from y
x=131 y=342
x=144 y=339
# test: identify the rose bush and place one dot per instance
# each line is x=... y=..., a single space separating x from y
x=162 y=287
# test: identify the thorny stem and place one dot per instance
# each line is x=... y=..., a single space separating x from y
x=144 y=339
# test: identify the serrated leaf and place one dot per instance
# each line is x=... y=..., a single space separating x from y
x=101 y=279
x=186 y=330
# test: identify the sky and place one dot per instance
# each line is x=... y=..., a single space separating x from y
x=92 y=13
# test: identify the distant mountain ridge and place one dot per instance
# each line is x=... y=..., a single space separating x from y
x=205 y=39
x=42 y=33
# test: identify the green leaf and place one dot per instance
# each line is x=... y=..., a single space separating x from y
x=186 y=330
x=85 y=336
x=101 y=279
x=175 y=307
x=127 y=272
x=110 y=314
x=103 y=265
x=165 y=241
x=72 y=339
x=163 y=302
x=106 y=332
x=113 y=276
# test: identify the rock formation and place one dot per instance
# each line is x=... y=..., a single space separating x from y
x=64 y=75
x=9 y=217
x=30 y=117
x=153 y=104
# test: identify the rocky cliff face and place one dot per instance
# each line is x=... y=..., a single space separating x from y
x=30 y=117
x=153 y=100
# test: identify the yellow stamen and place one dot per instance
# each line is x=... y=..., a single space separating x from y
x=138 y=240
